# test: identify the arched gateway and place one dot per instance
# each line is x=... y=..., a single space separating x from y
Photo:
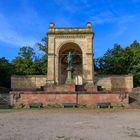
x=78 y=41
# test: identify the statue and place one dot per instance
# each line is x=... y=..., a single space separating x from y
x=70 y=68
x=69 y=59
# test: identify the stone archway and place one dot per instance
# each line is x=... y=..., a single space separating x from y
x=60 y=42
x=77 y=63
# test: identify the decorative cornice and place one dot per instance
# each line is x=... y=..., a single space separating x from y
x=70 y=36
x=70 y=31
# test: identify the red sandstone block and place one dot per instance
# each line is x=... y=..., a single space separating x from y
x=61 y=88
x=86 y=99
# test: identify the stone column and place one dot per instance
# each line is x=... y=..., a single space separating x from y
x=84 y=67
x=88 y=68
x=57 y=68
x=51 y=57
x=50 y=74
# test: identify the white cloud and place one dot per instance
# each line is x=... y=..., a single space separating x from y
x=103 y=17
x=10 y=36
x=109 y=17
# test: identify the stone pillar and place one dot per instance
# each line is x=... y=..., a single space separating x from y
x=50 y=75
x=84 y=67
x=88 y=67
x=51 y=56
x=57 y=68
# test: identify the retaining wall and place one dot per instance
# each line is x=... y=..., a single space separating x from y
x=88 y=99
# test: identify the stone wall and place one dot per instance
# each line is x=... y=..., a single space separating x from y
x=28 y=82
x=115 y=82
x=136 y=90
x=90 y=100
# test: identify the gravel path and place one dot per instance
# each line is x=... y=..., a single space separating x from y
x=70 y=124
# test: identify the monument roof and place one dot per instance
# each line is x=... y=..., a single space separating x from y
x=71 y=30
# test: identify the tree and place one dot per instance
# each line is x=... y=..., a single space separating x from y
x=135 y=64
x=121 y=61
x=24 y=62
x=6 y=70
x=28 y=63
x=112 y=61
x=43 y=47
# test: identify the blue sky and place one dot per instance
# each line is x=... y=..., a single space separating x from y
x=25 y=22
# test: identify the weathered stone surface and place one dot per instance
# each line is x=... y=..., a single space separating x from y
x=90 y=100
x=115 y=82
x=68 y=87
x=28 y=81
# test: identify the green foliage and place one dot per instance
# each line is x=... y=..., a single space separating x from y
x=27 y=63
x=24 y=62
x=135 y=66
x=112 y=61
x=27 y=52
x=43 y=47
x=6 y=70
x=121 y=61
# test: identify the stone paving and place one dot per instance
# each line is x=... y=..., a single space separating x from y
x=70 y=124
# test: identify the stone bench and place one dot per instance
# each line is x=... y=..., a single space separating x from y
x=103 y=104
x=70 y=104
x=35 y=105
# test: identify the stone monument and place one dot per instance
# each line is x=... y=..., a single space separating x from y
x=74 y=40
x=70 y=77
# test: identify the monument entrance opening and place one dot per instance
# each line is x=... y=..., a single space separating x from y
x=76 y=53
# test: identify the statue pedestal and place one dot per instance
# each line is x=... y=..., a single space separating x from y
x=69 y=74
x=66 y=88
